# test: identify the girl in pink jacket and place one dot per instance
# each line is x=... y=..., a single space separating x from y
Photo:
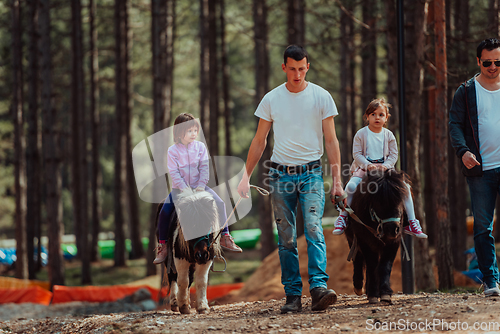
x=375 y=146
x=187 y=162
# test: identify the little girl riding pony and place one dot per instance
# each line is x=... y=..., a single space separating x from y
x=375 y=146
x=187 y=162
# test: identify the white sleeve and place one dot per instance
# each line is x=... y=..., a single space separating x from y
x=264 y=109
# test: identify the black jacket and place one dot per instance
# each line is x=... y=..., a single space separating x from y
x=463 y=125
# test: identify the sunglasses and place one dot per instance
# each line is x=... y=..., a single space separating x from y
x=488 y=63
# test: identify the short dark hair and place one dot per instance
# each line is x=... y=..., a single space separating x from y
x=296 y=52
x=182 y=123
x=488 y=44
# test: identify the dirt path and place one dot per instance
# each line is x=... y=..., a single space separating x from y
x=457 y=313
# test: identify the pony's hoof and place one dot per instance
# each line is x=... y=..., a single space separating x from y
x=373 y=300
x=203 y=310
x=359 y=292
x=185 y=309
x=386 y=299
x=174 y=308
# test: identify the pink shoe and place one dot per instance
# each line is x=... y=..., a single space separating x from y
x=162 y=253
x=415 y=229
x=340 y=225
x=227 y=243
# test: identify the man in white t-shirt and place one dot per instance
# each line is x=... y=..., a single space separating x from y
x=474 y=131
x=301 y=114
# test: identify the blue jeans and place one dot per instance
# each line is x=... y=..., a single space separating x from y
x=483 y=193
x=286 y=192
x=169 y=207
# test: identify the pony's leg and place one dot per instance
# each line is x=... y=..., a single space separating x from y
x=201 y=281
x=384 y=270
x=372 y=284
x=357 y=277
x=174 y=290
x=183 y=282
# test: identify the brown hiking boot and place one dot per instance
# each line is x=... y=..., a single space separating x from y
x=227 y=243
x=162 y=253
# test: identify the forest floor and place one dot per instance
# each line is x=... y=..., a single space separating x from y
x=428 y=312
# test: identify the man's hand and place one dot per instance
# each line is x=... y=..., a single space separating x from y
x=469 y=160
x=244 y=187
x=200 y=188
x=337 y=190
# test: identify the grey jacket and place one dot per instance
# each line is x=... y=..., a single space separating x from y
x=463 y=125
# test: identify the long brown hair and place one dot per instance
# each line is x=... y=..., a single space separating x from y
x=373 y=105
x=182 y=123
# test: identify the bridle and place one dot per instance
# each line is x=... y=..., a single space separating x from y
x=380 y=227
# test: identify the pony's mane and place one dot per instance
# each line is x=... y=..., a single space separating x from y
x=390 y=185
x=202 y=207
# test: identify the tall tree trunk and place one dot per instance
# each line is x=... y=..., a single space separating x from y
x=51 y=153
x=414 y=54
x=369 y=53
x=213 y=75
x=260 y=29
x=392 y=64
x=120 y=130
x=137 y=250
x=79 y=139
x=19 y=143
x=346 y=35
x=457 y=185
x=162 y=34
x=296 y=22
x=204 y=72
x=96 y=180
x=443 y=253
x=493 y=17
x=33 y=166
x=225 y=80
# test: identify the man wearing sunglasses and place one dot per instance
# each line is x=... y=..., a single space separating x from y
x=474 y=131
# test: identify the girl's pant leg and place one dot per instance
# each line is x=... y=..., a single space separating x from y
x=410 y=209
x=221 y=208
x=350 y=188
x=164 y=217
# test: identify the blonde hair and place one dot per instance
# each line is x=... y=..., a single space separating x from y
x=182 y=123
x=374 y=105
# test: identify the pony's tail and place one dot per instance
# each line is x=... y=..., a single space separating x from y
x=165 y=282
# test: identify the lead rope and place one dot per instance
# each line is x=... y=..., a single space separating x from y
x=261 y=191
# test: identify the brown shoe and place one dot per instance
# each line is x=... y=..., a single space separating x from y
x=162 y=253
x=227 y=243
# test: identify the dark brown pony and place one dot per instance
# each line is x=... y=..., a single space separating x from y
x=191 y=259
x=379 y=204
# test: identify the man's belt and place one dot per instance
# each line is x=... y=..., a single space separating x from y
x=299 y=169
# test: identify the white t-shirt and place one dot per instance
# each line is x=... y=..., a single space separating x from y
x=297 y=122
x=488 y=114
x=374 y=145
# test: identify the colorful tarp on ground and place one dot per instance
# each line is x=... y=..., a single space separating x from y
x=25 y=291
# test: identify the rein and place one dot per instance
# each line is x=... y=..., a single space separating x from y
x=261 y=191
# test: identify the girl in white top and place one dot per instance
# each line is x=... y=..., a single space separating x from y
x=375 y=147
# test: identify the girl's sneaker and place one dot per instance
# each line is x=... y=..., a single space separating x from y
x=162 y=253
x=415 y=229
x=227 y=243
x=340 y=225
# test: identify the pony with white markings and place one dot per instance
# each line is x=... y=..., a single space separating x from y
x=191 y=259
